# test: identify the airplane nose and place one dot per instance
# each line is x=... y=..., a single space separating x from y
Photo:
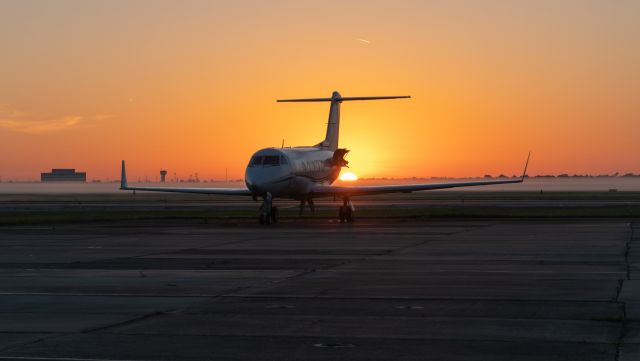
x=249 y=179
x=267 y=179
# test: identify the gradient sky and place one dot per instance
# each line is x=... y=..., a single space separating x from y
x=190 y=85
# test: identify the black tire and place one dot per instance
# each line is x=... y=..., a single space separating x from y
x=349 y=214
x=342 y=214
x=274 y=215
x=265 y=219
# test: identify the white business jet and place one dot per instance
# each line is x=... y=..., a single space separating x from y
x=305 y=173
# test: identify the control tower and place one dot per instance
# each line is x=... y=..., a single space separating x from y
x=163 y=175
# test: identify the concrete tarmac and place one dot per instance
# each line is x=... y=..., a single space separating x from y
x=384 y=289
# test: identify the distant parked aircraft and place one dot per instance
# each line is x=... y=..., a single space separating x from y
x=305 y=173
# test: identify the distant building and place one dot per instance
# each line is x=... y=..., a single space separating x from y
x=63 y=175
x=163 y=175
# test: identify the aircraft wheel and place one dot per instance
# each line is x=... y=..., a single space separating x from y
x=342 y=214
x=265 y=219
x=274 y=215
x=349 y=214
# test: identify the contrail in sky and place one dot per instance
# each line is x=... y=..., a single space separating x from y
x=363 y=40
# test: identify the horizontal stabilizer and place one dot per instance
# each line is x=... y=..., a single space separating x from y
x=342 y=99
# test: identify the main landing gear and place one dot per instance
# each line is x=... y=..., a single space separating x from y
x=347 y=211
x=268 y=213
x=309 y=201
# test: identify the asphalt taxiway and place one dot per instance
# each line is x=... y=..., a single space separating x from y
x=378 y=289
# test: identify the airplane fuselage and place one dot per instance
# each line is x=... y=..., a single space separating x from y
x=290 y=172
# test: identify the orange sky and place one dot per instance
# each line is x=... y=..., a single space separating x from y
x=190 y=85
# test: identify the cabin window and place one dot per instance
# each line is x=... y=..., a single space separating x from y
x=256 y=161
x=283 y=160
x=271 y=161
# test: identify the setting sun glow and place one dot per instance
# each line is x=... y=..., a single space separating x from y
x=348 y=176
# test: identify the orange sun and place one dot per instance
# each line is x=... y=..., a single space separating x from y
x=348 y=176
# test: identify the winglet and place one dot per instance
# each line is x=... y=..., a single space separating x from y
x=524 y=173
x=123 y=178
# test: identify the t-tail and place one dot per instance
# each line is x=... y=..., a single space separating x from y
x=330 y=141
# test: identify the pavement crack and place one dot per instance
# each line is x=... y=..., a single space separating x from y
x=127 y=322
x=624 y=326
x=628 y=248
x=623 y=332
x=31 y=342
x=425 y=241
x=191 y=248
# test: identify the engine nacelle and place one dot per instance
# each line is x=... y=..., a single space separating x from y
x=338 y=158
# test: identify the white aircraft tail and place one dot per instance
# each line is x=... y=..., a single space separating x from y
x=330 y=141
x=123 y=177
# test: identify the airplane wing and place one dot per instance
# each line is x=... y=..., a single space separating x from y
x=221 y=191
x=338 y=191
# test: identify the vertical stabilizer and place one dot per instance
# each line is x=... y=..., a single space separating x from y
x=330 y=141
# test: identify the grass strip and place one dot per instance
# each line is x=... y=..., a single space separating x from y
x=71 y=216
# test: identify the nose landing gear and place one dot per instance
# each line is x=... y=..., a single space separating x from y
x=268 y=213
x=347 y=211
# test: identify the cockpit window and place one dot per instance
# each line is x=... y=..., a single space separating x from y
x=256 y=161
x=283 y=160
x=271 y=160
